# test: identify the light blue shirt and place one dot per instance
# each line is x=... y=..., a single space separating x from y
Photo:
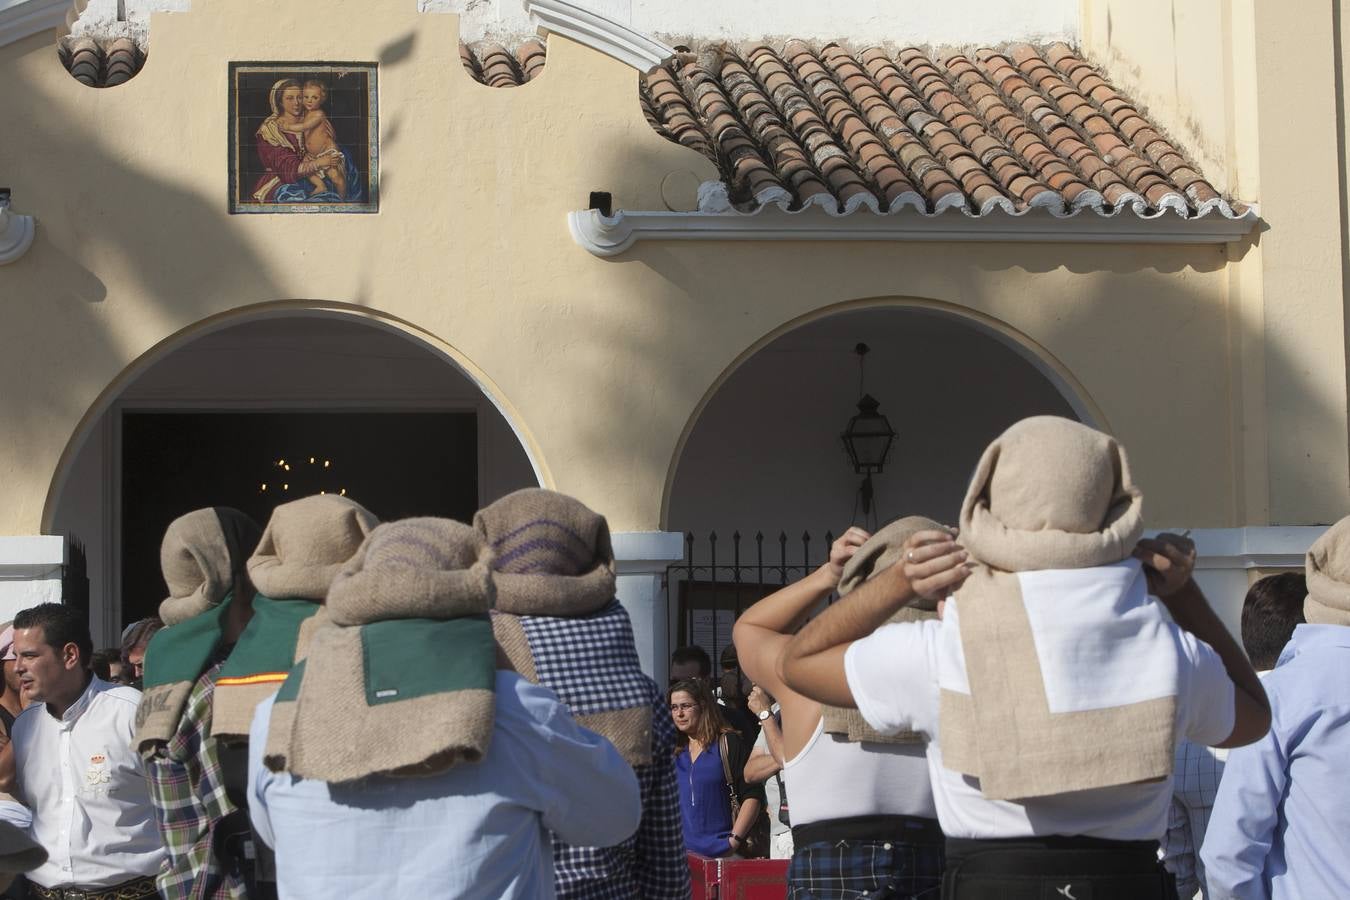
x=476 y=831
x=1281 y=822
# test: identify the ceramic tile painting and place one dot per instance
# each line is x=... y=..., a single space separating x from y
x=303 y=137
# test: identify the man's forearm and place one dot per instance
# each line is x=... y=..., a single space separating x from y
x=812 y=662
x=852 y=618
x=1196 y=616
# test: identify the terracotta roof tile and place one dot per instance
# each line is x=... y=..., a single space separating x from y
x=799 y=123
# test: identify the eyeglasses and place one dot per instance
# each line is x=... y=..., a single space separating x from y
x=679 y=707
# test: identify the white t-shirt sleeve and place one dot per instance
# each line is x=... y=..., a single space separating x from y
x=1207 y=700
x=892 y=675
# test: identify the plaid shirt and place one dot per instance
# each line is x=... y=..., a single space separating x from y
x=1195 y=783
x=605 y=674
x=188 y=791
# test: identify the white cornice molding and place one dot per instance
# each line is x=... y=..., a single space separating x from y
x=16 y=234
x=1256 y=547
x=24 y=18
x=612 y=235
x=599 y=33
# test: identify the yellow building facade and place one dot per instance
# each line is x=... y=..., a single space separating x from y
x=1214 y=347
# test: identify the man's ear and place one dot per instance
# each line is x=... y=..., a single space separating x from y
x=70 y=655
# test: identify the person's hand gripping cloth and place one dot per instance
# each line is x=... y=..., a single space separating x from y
x=400 y=678
x=1070 y=669
x=557 y=618
x=304 y=545
x=881 y=551
x=203 y=558
x=1328 y=571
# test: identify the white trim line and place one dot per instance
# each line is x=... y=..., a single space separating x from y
x=646 y=552
x=599 y=33
x=16 y=234
x=612 y=235
x=1257 y=547
x=32 y=552
x=24 y=18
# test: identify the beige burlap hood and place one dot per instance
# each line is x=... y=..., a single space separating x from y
x=203 y=558
x=551 y=554
x=557 y=618
x=1328 y=572
x=306 y=543
x=1049 y=496
x=400 y=678
x=881 y=551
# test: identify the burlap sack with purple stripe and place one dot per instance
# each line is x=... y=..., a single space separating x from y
x=552 y=561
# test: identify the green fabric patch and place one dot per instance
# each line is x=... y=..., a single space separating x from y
x=290 y=688
x=268 y=643
x=409 y=658
x=183 y=651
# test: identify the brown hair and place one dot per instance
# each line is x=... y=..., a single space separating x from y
x=711 y=725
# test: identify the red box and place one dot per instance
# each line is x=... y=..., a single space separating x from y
x=737 y=879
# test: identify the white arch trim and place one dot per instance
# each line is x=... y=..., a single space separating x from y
x=288 y=310
x=1041 y=359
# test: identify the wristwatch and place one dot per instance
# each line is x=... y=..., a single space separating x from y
x=764 y=714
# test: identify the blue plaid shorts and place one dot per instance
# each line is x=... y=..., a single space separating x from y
x=866 y=870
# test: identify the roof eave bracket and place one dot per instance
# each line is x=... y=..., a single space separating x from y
x=599 y=33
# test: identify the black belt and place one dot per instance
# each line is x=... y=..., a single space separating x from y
x=1075 y=867
x=135 y=889
x=902 y=829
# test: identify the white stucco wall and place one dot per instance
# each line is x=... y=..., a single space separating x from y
x=950 y=23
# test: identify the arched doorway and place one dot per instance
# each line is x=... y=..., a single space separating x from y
x=235 y=416
x=763 y=479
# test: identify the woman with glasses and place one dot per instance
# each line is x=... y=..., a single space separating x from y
x=705 y=796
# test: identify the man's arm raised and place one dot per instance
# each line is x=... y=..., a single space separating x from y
x=812 y=663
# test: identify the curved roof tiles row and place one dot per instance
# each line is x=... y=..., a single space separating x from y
x=799 y=124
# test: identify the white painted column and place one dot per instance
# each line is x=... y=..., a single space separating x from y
x=1225 y=558
x=31 y=567
x=640 y=559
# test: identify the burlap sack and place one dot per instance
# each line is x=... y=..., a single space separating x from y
x=203 y=558
x=552 y=560
x=1328 y=571
x=539 y=537
x=399 y=681
x=1048 y=494
x=305 y=544
x=881 y=551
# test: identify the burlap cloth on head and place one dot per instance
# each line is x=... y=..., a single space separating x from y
x=304 y=545
x=557 y=618
x=203 y=559
x=881 y=551
x=400 y=679
x=1328 y=571
x=1048 y=494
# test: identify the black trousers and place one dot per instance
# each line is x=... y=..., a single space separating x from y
x=1055 y=868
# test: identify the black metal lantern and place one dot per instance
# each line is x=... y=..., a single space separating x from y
x=868 y=437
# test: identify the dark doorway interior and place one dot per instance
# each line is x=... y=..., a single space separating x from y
x=396 y=464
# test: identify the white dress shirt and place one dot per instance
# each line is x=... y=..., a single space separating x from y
x=87 y=789
x=479 y=831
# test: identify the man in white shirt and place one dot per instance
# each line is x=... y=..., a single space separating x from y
x=76 y=768
x=1059 y=605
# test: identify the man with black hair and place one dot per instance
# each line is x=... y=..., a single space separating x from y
x=75 y=766
x=1271 y=611
x=687 y=663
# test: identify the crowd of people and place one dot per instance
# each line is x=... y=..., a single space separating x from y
x=1036 y=702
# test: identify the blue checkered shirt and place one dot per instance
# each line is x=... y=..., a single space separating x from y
x=592 y=664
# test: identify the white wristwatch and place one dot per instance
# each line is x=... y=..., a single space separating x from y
x=764 y=714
